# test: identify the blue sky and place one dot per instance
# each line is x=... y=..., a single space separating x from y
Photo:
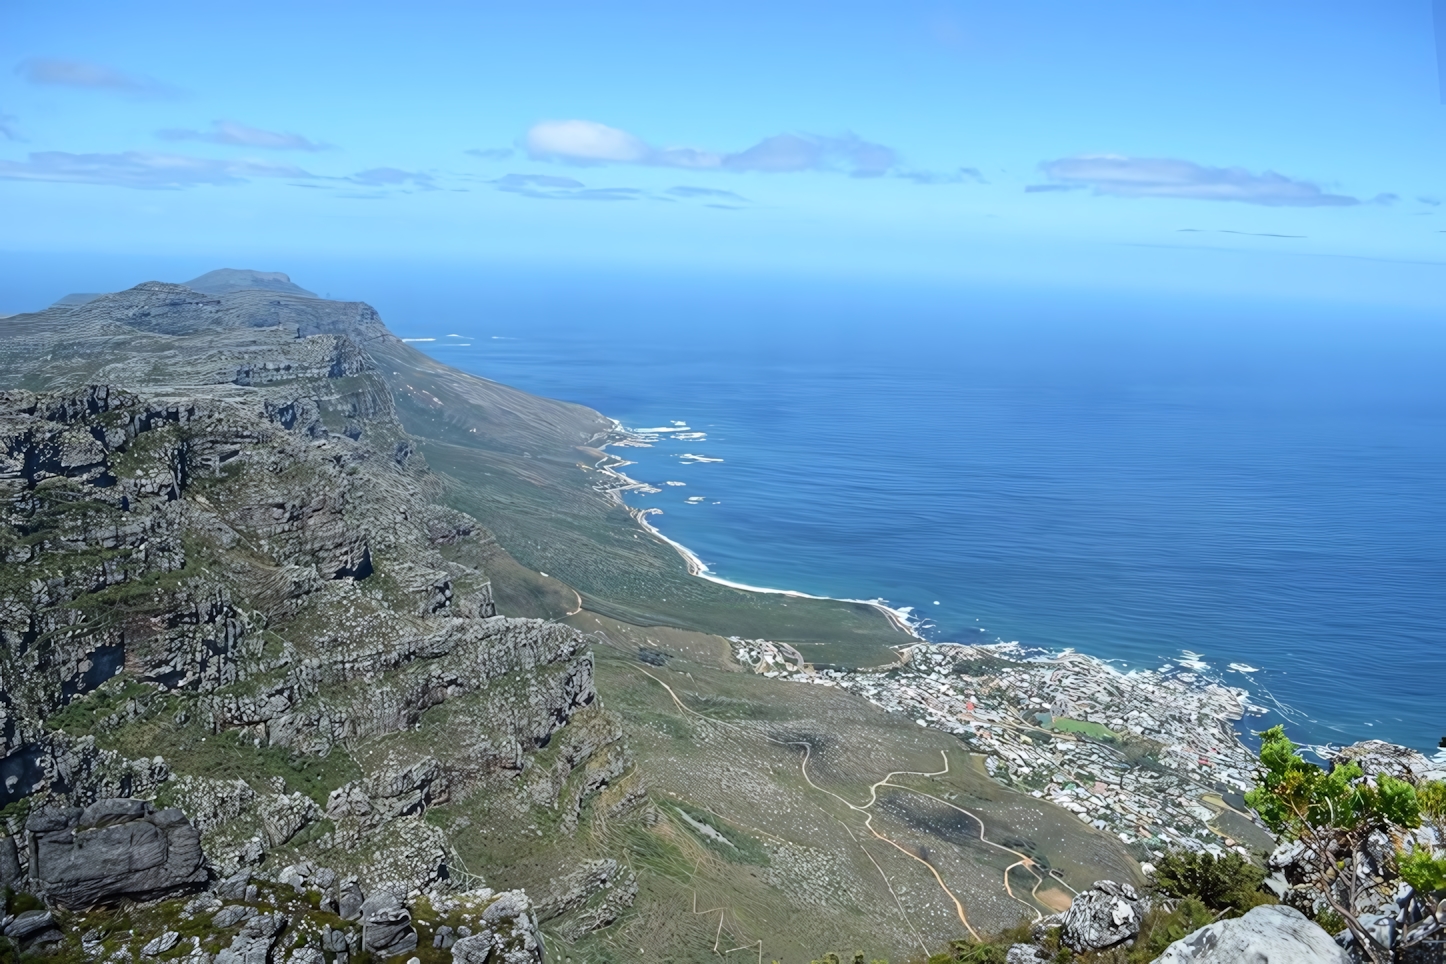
x=1287 y=148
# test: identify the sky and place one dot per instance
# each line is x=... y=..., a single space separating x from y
x=1291 y=149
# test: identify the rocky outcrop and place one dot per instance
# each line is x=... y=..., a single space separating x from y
x=1265 y=935
x=1375 y=757
x=214 y=527
x=507 y=935
x=387 y=926
x=1103 y=916
x=113 y=850
x=256 y=941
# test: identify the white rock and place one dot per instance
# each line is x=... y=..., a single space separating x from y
x=161 y=944
x=1266 y=935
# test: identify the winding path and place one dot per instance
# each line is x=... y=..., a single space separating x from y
x=1024 y=860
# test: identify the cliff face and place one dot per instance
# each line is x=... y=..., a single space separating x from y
x=227 y=584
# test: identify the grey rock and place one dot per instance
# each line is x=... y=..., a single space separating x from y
x=10 y=873
x=114 y=849
x=231 y=915
x=333 y=940
x=252 y=852
x=1103 y=916
x=203 y=904
x=1024 y=954
x=444 y=938
x=107 y=813
x=1277 y=934
x=508 y=934
x=349 y=903
x=283 y=817
x=25 y=926
x=234 y=887
x=1381 y=928
x=387 y=929
x=306 y=955
x=161 y=944
x=253 y=945
x=476 y=949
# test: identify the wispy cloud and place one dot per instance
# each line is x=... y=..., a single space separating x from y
x=393 y=177
x=242 y=135
x=1251 y=234
x=689 y=191
x=1119 y=176
x=549 y=188
x=90 y=76
x=959 y=176
x=139 y=169
x=588 y=142
x=491 y=153
x=7 y=127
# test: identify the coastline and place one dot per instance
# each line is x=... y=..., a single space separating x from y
x=899 y=617
x=1258 y=700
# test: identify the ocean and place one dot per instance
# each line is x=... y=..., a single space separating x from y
x=1255 y=491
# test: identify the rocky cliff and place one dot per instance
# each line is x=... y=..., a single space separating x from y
x=231 y=600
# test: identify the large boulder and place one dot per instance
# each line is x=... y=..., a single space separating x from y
x=387 y=929
x=1266 y=935
x=1103 y=916
x=113 y=849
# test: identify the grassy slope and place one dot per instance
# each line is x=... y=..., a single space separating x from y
x=733 y=753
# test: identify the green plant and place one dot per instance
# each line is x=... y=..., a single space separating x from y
x=1330 y=921
x=1425 y=873
x=1332 y=813
x=1230 y=883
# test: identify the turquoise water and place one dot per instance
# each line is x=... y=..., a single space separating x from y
x=1257 y=485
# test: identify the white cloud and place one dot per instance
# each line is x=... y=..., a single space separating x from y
x=585 y=141
x=588 y=142
x=242 y=135
x=80 y=73
x=1121 y=176
x=140 y=169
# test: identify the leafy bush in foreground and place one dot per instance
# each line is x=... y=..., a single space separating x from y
x=1230 y=883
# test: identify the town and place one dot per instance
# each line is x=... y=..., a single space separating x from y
x=1151 y=756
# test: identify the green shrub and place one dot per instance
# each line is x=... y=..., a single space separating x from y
x=1230 y=883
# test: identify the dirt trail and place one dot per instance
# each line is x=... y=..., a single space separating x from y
x=1024 y=860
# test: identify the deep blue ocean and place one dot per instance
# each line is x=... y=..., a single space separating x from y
x=1259 y=485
